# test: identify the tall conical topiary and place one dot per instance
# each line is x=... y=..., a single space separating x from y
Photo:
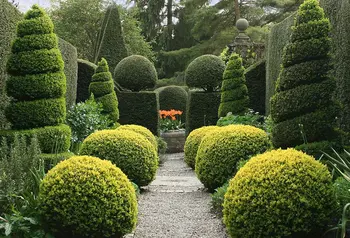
x=234 y=91
x=102 y=87
x=37 y=83
x=302 y=109
x=110 y=41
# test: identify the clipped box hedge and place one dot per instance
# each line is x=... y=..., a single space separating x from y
x=202 y=110
x=278 y=39
x=69 y=55
x=86 y=70
x=256 y=83
x=338 y=12
x=140 y=108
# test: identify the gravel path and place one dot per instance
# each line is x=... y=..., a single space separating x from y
x=175 y=205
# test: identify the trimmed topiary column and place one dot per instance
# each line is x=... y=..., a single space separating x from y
x=37 y=83
x=86 y=70
x=102 y=87
x=111 y=44
x=302 y=109
x=234 y=92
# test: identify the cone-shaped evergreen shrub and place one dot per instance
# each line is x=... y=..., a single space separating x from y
x=111 y=43
x=234 y=92
x=303 y=102
x=102 y=87
x=37 y=82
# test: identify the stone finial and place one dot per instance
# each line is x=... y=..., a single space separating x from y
x=242 y=25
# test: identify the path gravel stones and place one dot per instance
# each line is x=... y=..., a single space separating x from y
x=176 y=205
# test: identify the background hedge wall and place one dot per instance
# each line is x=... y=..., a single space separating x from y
x=202 y=110
x=278 y=38
x=338 y=12
x=255 y=77
x=140 y=108
x=69 y=55
x=9 y=16
x=85 y=71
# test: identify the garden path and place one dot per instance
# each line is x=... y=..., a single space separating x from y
x=175 y=205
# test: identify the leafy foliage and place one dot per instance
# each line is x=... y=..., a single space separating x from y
x=192 y=143
x=220 y=151
x=128 y=150
x=234 y=92
x=136 y=73
x=110 y=196
x=205 y=72
x=249 y=118
x=173 y=97
x=299 y=202
x=305 y=99
x=102 y=87
x=85 y=118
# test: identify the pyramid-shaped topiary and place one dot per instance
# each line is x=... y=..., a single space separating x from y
x=37 y=83
x=111 y=44
x=302 y=109
x=102 y=87
x=234 y=91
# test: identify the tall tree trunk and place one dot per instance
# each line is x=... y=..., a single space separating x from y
x=237 y=11
x=169 y=24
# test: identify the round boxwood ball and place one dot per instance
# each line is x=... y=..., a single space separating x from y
x=128 y=150
x=193 y=141
x=281 y=193
x=205 y=72
x=219 y=153
x=136 y=73
x=143 y=131
x=173 y=97
x=88 y=197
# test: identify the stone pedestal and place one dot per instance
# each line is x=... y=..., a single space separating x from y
x=175 y=140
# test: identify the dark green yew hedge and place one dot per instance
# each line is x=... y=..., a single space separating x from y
x=86 y=70
x=140 y=108
x=256 y=83
x=202 y=110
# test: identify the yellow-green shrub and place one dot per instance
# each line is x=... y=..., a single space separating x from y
x=143 y=131
x=281 y=193
x=193 y=141
x=88 y=197
x=128 y=150
x=219 y=153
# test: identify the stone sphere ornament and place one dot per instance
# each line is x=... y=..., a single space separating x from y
x=242 y=24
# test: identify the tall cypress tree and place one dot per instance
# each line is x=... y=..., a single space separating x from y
x=234 y=91
x=110 y=41
x=102 y=87
x=303 y=109
x=37 y=82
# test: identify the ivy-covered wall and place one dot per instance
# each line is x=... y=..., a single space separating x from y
x=278 y=38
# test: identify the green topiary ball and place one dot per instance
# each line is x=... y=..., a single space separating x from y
x=128 y=150
x=136 y=73
x=282 y=193
x=143 y=131
x=205 y=72
x=173 y=97
x=219 y=153
x=193 y=141
x=88 y=197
